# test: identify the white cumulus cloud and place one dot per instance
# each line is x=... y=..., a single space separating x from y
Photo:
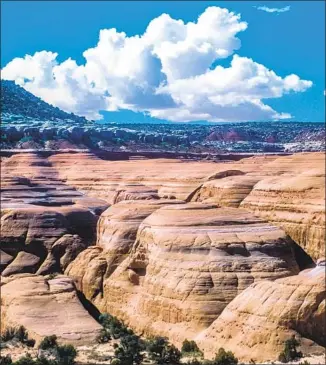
x=167 y=72
x=273 y=10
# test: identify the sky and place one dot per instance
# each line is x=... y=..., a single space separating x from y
x=175 y=61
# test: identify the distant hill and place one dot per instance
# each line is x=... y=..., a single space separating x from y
x=18 y=103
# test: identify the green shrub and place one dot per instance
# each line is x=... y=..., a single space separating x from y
x=52 y=276
x=5 y=360
x=114 y=327
x=20 y=334
x=66 y=354
x=115 y=362
x=8 y=334
x=224 y=358
x=48 y=342
x=29 y=342
x=104 y=336
x=190 y=347
x=25 y=360
x=290 y=351
x=128 y=352
x=44 y=361
x=193 y=362
x=162 y=352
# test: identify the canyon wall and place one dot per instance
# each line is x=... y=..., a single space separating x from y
x=169 y=246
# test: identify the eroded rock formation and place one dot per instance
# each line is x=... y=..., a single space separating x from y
x=268 y=313
x=46 y=307
x=177 y=243
x=187 y=263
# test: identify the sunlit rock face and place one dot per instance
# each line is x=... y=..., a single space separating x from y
x=116 y=233
x=258 y=321
x=188 y=262
x=295 y=200
x=45 y=223
x=168 y=246
x=227 y=192
x=46 y=307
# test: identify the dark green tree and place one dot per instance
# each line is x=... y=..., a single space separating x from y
x=129 y=350
x=162 y=352
x=290 y=351
x=189 y=347
x=48 y=342
x=66 y=354
x=224 y=358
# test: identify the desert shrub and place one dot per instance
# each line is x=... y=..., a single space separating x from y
x=193 y=362
x=128 y=352
x=161 y=352
x=5 y=360
x=25 y=360
x=189 y=347
x=52 y=276
x=8 y=334
x=104 y=336
x=66 y=354
x=48 y=342
x=114 y=327
x=290 y=351
x=116 y=362
x=223 y=358
x=44 y=361
x=20 y=334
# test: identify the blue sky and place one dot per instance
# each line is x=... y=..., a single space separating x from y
x=289 y=42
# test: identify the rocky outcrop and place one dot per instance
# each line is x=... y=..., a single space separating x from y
x=171 y=179
x=23 y=262
x=116 y=234
x=226 y=192
x=258 y=321
x=40 y=214
x=176 y=243
x=46 y=307
x=294 y=200
x=188 y=262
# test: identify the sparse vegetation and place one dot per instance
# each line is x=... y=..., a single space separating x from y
x=190 y=348
x=162 y=352
x=66 y=354
x=19 y=334
x=104 y=336
x=48 y=342
x=290 y=351
x=128 y=352
x=223 y=358
x=5 y=360
x=52 y=276
x=114 y=327
x=193 y=362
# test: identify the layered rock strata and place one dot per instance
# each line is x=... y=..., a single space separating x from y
x=267 y=314
x=39 y=213
x=46 y=307
x=188 y=262
x=116 y=234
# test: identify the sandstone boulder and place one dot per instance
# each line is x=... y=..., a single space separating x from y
x=23 y=262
